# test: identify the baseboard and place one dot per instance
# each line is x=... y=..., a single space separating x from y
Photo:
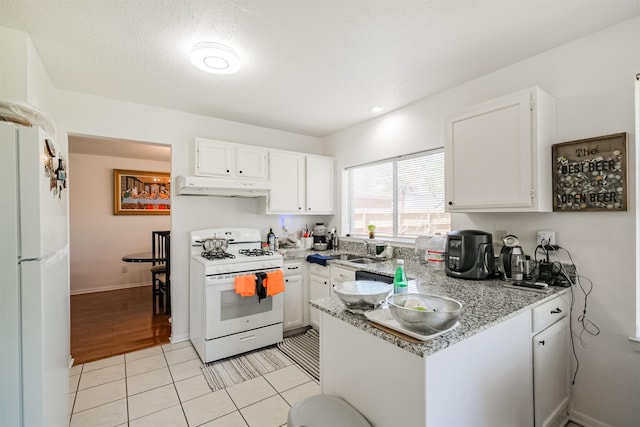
x=179 y=338
x=109 y=288
x=585 y=420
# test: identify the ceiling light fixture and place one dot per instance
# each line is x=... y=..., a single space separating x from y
x=215 y=58
x=376 y=109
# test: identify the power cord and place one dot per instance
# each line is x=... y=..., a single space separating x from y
x=587 y=325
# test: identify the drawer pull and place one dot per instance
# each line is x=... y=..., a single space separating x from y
x=541 y=342
x=556 y=311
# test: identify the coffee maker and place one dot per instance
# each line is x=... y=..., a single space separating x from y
x=320 y=236
x=469 y=254
x=513 y=261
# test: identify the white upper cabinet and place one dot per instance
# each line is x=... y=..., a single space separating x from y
x=498 y=155
x=225 y=159
x=319 y=185
x=300 y=183
x=286 y=172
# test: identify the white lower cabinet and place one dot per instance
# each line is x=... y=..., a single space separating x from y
x=319 y=287
x=341 y=274
x=293 y=296
x=551 y=363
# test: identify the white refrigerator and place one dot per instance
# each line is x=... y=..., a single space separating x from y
x=34 y=291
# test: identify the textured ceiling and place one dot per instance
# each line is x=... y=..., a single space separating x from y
x=312 y=67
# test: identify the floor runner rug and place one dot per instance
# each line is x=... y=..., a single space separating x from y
x=304 y=349
x=234 y=370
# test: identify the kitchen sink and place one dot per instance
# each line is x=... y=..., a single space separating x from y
x=366 y=260
x=347 y=257
x=357 y=259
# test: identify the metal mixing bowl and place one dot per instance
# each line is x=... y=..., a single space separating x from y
x=362 y=294
x=442 y=312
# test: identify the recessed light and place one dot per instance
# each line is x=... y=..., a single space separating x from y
x=215 y=58
x=376 y=109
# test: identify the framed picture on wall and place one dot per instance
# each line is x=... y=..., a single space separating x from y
x=141 y=192
x=590 y=174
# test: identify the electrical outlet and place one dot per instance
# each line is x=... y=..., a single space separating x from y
x=498 y=235
x=124 y=269
x=546 y=237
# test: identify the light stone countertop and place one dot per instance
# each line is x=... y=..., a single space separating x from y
x=486 y=303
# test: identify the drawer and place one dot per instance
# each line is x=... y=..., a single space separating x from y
x=292 y=268
x=318 y=270
x=548 y=313
x=341 y=274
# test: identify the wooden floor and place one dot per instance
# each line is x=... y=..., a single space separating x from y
x=104 y=324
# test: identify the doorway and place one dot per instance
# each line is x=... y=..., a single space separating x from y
x=111 y=301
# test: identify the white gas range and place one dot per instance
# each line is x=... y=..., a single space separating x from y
x=223 y=323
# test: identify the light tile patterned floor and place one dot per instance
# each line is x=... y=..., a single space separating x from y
x=164 y=386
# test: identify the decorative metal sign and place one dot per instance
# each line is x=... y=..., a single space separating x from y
x=590 y=174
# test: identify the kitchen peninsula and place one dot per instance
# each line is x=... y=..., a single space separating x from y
x=480 y=373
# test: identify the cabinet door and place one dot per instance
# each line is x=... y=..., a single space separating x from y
x=318 y=288
x=551 y=373
x=319 y=185
x=214 y=158
x=286 y=172
x=251 y=162
x=488 y=155
x=293 y=303
x=340 y=274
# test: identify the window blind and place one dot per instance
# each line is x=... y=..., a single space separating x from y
x=402 y=197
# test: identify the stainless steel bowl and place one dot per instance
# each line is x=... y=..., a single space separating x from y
x=320 y=246
x=362 y=294
x=441 y=314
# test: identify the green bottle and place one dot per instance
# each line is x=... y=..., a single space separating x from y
x=400 y=284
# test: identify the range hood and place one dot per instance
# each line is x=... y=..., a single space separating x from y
x=205 y=186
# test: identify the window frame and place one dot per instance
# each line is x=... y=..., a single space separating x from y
x=347 y=199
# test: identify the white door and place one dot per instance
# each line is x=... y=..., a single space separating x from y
x=45 y=340
x=286 y=172
x=251 y=162
x=551 y=371
x=43 y=213
x=229 y=313
x=214 y=158
x=318 y=288
x=319 y=185
x=488 y=155
x=293 y=303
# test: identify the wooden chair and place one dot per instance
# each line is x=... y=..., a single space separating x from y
x=161 y=271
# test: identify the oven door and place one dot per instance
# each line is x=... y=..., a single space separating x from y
x=229 y=313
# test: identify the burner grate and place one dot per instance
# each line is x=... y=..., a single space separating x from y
x=216 y=254
x=254 y=252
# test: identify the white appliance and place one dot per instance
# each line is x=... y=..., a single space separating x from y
x=206 y=186
x=223 y=323
x=34 y=290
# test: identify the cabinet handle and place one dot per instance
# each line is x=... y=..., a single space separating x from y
x=308 y=209
x=541 y=342
x=556 y=311
x=292 y=268
x=299 y=207
x=227 y=170
x=240 y=171
x=286 y=280
x=450 y=203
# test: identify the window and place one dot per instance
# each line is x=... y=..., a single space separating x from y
x=402 y=197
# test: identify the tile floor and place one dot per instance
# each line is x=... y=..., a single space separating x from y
x=164 y=386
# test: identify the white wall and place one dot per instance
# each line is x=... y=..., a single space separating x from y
x=592 y=79
x=88 y=115
x=98 y=238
